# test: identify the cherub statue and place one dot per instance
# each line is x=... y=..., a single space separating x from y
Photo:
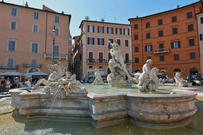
x=98 y=79
x=180 y=81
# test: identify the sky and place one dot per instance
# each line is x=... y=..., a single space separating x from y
x=118 y=11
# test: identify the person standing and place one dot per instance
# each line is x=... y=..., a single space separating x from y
x=16 y=81
x=3 y=82
x=27 y=83
x=8 y=84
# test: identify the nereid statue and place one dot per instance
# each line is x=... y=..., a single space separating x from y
x=98 y=79
x=148 y=80
x=117 y=67
x=180 y=81
x=57 y=84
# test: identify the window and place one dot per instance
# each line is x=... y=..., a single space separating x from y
x=189 y=15
x=147 y=24
x=56 y=19
x=90 y=66
x=135 y=26
x=148 y=57
x=175 y=31
x=90 y=28
x=160 y=33
x=136 y=60
x=35 y=28
x=56 y=49
x=190 y=27
x=175 y=44
x=118 y=31
x=201 y=37
x=191 y=42
x=176 y=56
x=126 y=43
x=126 y=31
x=14 y=11
x=36 y=15
x=148 y=48
x=11 y=46
x=136 y=49
x=127 y=58
x=10 y=63
x=136 y=37
x=90 y=41
x=161 y=46
x=100 y=41
x=160 y=22
x=110 y=30
x=119 y=42
x=101 y=57
x=161 y=58
x=201 y=20
x=34 y=47
x=100 y=29
x=174 y=19
x=192 y=55
x=34 y=63
x=90 y=56
x=13 y=25
x=57 y=31
x=100 y=66
x=147 y=35
x=109 y=46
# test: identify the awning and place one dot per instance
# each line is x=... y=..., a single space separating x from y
x=11 y=74
x=101 y=72
x=36 y=74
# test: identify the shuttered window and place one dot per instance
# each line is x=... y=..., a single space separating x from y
x=13 y=25
x=109 y=46
x=148 y=48
x=160 y=22
x=110 y=30
x=136 y=37
x=189 y=15
x=161 y=58
x=34 y=48
x=135 y=26
x=136 y=60
x=190 y=27
x=147 y=24
x=192 y=55
x=191 y=42
x=174 y=19
x=176 y=56
x=56 y=49
x=56 y=19
x=160 y=33
x=126 y=43
x=100 y=29
x=175 y=30
x=136 y=49
x=10 y=63
x=175 y=44
x=35 y=28
x=14 y=11
x=11 y=46
x=147 y=35
x=90 y=41
x=36 y=15
x=100 y=41
x=34 y=63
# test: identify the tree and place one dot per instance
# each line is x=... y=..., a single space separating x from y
x=87 y=17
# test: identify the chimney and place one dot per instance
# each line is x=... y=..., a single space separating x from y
x=178 y=6
x=62 y=12
x=26 y=4
x=137 y=17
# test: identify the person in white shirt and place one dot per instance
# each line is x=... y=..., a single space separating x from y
x=28 y=83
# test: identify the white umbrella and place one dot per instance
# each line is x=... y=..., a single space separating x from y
x=11 y=74
x=36 y=74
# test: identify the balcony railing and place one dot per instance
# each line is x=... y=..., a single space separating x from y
x=163 y=50
x=90 y=61
x=127 y=61
x=28 y=65
x=8 y=67
x=56 y=56
x=101 y=61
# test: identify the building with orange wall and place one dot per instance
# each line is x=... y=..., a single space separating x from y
x=169 y=38
x=26 y=41
x=96 y=49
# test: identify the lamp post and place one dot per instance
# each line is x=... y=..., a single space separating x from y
x=53 y=35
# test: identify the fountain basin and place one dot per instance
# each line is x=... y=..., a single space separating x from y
x=148 y=110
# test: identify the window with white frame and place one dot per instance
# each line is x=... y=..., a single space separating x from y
x=14 y=11
x=35 y=28
x=13 y=25
x=57 y=31
x=34 y=47
x=126 y=32
x=101 y=29
x=56 y=49
x=11 y=45
x=90 y=28
x=36 y=15
x=10 y=63
x=126 y=43
x=118 y=31
x=56 y=19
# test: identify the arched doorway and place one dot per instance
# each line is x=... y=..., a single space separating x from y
x=176 y=70
x=137 y=71
x=33 y=70
x=193 y=71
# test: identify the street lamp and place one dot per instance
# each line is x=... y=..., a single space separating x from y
x=53 y=35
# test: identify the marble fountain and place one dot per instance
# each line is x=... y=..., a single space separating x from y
x=146 y=104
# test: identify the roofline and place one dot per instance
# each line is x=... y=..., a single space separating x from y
x=37 y=9
x=102 y=22
x=199 y=12
x=165 y=11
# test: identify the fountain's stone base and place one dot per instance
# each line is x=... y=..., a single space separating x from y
x=148 y=110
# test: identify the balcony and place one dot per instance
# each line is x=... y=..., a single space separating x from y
x=90 y=61
x=163 y=50
x=28 y=65
x=6 y=67
x=101 y=61
x=127 y=61
x=56 y=56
